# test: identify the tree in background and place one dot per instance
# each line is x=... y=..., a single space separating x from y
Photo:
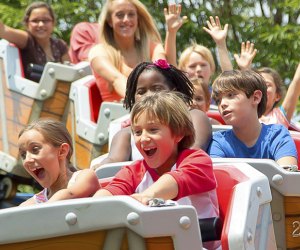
x=273 y=25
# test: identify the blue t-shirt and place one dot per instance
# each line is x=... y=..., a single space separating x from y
x=274 y=142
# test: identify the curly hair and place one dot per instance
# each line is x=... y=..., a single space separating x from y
x=175 y=79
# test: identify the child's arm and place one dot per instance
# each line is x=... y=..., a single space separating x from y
x=86 y=184
x=102 y=192
x=165 y=187
x=120 y=149
x=203 y=129
x=173 y=23
x=248 y=53
x=219 y=36
x=287 y=160
x=16 y=36
x=103 y=66
x=290 y=101
x=28 y=202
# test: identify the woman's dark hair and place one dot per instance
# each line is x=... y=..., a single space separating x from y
x=175 y=78
x=37 y=5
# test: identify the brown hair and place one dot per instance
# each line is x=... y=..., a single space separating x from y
x=277 y=81
x=55 y=132
x=247 y=81
x=37 y=5
x=199 y=82
x=170 y=109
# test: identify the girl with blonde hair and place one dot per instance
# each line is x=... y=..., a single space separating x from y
x=128 y=36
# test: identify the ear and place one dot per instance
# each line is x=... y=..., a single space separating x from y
x=257 y=95
x=63 y=150
x=178 y=138
x=278 y=97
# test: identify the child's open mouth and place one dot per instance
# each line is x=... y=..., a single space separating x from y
x=39 y=172
x=150 y=152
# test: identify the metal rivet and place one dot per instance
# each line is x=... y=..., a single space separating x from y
x=249 y=236
x=71 y=218
x=258 y=191
x=185 y=222
x=133 y=218
x=107 y=112
x=51 y=71
x=101 y=137
x=277 y=179
x=276 y=216
x=43 y=93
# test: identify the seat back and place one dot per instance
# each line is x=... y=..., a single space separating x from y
x=95 y=99
x=88 y=120
x=214 y=114
x=296 y=137
x=240 y=207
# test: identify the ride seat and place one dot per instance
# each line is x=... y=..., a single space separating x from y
x=95 y=99
x=296 y=138
x=214 y=114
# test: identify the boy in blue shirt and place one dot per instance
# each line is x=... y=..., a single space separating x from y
x=241 y=98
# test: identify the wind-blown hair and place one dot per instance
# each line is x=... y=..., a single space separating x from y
x=169 y=108
x=146 y=32
x=246 y=81
x=54 y=132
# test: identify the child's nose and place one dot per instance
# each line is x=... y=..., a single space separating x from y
x=223 y=103
x=145 y=137
x=198 y=68
x=28 y=159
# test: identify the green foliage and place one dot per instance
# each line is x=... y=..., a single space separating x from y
x=273 y=25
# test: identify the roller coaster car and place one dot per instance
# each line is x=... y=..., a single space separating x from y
x=22 y=100
x=100 y=223
x=285 y=199
x=89 y=119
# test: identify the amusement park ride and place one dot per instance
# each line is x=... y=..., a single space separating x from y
x=259 y=201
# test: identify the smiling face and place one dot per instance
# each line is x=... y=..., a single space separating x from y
x=124 y=19
x=40 y=159
x=155 y=142
x=150 y=81
x=198 y=67
x=40 y=23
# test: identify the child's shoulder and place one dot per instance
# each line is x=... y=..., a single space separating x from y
x=274 y=128
x=191 y=153
x=274 y=132
x=222 y=134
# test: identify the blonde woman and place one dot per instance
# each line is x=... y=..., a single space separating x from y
x=128 y=36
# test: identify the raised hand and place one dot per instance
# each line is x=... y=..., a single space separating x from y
x=173 y=19
x=247 y=55
x=215 y=30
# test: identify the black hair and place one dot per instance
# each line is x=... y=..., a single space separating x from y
x=175 y=78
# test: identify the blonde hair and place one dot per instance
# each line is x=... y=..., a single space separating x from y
x=171 y=110
x=146 y=32
x=201 y=50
